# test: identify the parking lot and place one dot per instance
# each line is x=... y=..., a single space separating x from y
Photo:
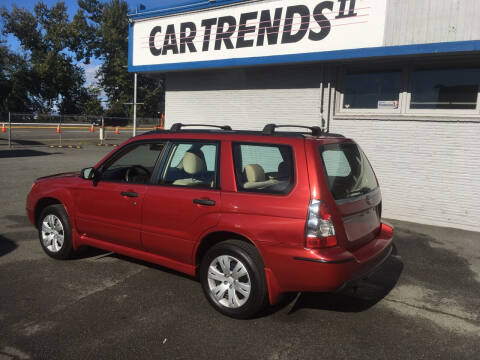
x=424 y=304
x=30 y=135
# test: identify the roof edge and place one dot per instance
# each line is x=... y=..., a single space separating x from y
x=191 y=5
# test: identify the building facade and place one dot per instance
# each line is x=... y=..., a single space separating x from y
x=401 y=77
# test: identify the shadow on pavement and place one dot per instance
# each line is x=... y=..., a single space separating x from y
x=369 y=291
x=91 y=253
x=6 y=245
x=23 y=153
x=27 y=142
x=153 y=266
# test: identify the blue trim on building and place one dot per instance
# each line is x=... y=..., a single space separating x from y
x=130 y=45
x=168 y=8
x=417 y=49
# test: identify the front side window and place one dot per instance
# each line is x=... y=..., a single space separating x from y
x=192 y=164
x=264 y=168
x=445 y=88
x=372 y=89
x=348 y=171
x=134 y=165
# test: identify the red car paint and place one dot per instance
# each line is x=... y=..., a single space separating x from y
x=162 y=225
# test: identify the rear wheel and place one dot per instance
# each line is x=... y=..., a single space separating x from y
x=55 y=232
x=233 y=279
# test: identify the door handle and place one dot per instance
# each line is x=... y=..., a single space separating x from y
x=206 y=202
x=129 y=193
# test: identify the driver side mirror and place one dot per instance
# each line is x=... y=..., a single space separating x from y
x=89 y=173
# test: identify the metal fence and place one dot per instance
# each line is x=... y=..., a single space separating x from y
x=20 y=130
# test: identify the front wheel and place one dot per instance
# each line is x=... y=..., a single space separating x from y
x=233 y=279
x=55 y=232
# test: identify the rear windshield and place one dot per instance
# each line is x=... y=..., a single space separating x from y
x=347 y=170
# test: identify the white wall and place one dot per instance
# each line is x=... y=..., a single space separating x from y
x=429 y=172
x=430 y=21
x=244 y=99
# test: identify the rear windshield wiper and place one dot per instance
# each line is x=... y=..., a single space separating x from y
x=361 y=191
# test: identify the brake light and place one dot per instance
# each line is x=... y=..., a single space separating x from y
x=319 y=232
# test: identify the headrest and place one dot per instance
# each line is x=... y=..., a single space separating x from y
x=254 y=173
x=193 y=164
x=284 y=170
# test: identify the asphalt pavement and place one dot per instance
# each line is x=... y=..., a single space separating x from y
x=104 y=306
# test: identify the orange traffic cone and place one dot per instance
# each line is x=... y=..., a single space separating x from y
x=3 y=128
x=92 y=129
x=58 y=129
x=117 y=131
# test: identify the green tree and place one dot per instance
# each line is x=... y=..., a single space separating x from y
x=47 y=76
x=103 y=30
x=5 y=83
x=92 y=102
x=45 y=73
x=16 y=81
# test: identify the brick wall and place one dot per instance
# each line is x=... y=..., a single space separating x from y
x=429 y=172
x=245 y=99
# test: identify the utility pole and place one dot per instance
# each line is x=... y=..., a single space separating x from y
x=9 y=131
x=134 y=104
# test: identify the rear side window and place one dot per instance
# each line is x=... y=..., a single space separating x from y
x=192 y=164
x=265 y=168
x=347 y=170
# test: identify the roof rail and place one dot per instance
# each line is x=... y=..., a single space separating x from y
x=269 y=129
x=178 y=126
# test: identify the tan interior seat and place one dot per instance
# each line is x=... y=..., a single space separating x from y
x=256 y=177
x=195 y=166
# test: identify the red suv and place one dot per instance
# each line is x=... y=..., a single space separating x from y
x=253 y=214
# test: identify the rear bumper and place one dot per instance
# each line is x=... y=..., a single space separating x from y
x=353 y=282
x=293 y=269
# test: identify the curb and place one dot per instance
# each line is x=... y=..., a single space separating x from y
x=114 y=145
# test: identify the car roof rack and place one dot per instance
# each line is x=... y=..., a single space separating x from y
x=269 y=129
x=178 y=126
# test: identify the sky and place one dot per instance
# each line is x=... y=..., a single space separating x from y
x=72 y=8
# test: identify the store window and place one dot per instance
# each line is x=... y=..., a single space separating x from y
x=374 y=90
x=445 y=89
x=410 y=88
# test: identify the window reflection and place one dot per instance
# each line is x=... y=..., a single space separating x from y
x=372 y=90
x=445 y=88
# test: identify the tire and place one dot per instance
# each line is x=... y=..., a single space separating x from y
x=230 y=294
x=55 y=232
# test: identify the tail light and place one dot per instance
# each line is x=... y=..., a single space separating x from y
x=319 y=232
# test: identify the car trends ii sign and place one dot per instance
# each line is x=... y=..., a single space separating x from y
x=258 y=30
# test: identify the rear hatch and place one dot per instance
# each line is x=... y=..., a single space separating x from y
x=354 y=187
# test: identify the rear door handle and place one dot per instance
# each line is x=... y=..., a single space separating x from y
x=129 y=193
x=206 y=202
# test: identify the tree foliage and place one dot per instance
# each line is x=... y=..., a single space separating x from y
x=47 y=74
x=106 y=38
x=16 y=82
x=51 y=79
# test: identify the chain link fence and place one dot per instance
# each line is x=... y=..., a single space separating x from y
x=20 y=130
